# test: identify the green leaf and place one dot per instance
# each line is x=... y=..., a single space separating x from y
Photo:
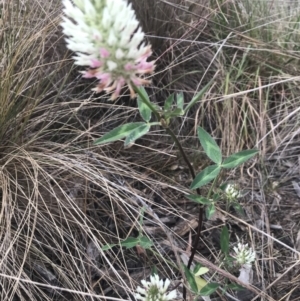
x=225 y=240
x=216 y=197
x=108 y=247
x=198 y=96
x=209 y=288
x=201 y=271
x=235 y=287
x=238 y=208
x=177 y=112
x=119 y=132
x=145 y=111
x=137 y=133
x=223 y=186
x=169 y=101
x=210 y=210
x=180 y=100
x=239 y=158
x=205 y=176
x=145 y=242
x=130 y=242
x=210 y=146
x=198 y=199
x=197 y=267
x=190 y=279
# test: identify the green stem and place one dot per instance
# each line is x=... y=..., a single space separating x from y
x=154 y=123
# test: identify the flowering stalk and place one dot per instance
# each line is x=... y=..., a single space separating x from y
x=106 y=37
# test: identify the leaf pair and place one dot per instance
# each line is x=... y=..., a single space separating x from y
x=170 y=100
x=213 y=151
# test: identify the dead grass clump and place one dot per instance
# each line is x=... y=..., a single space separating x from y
x=60 y=206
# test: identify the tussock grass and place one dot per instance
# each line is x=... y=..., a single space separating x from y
x=61 y=198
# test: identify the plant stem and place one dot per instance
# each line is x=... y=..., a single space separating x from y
x=200 y=215
x=182 y=152
x=146 y=101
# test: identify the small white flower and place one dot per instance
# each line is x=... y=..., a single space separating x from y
x=244 y=255
x=232 y=192
x=106 y=37
x=155 y=290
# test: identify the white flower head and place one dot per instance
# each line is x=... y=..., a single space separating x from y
x=232 y=192
x=155 y=290
x=106 y=37
x=244 y=255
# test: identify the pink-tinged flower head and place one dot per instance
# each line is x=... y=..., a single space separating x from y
x=106 y=37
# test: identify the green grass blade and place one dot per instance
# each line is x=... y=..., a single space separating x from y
x=198 y=96
x=198 y=199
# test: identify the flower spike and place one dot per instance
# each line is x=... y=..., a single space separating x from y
x=106 y=37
